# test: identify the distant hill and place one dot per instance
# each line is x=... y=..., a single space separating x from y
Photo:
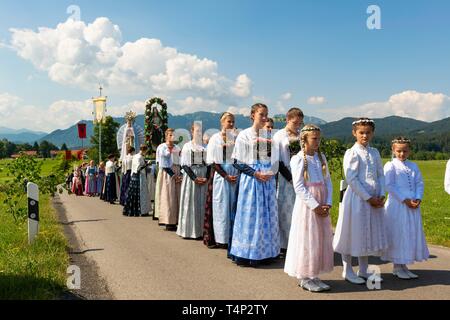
x=209 y=121
x=393 y=125
x=21 y=135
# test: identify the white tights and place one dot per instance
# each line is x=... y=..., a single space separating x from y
x=363 y=263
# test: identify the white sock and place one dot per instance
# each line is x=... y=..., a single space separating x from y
x=347 y=264
x=363 y=264
x=404 y=267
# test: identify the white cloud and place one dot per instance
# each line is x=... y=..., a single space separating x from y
x=191 y=104
x=261 y=99
x=411 y=104
x=286 y=96
x=82 y=56
x=17 y=114
x=316 y=100
x=236 y=110
x=242 y=87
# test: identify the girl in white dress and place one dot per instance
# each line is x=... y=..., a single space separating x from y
x=310 y=249
x=287 y=144
x=403 y=218
x=360 y=230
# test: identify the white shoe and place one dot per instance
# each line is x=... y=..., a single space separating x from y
x=321 y=284
x=372 y=277
x=401 y=274
x=353 y=278
x=310 y=285
x=410 y=274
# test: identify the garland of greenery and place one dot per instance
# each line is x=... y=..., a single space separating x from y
x=149 y=123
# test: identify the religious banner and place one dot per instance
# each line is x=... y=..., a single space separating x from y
x=82 y=130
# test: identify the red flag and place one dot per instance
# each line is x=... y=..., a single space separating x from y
x=82 y=130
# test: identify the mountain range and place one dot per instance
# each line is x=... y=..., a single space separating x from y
x=386 y=128
x=21 y=135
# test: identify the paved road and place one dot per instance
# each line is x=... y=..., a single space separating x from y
x=140 y=260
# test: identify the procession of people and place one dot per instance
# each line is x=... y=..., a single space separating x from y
x=265 y=196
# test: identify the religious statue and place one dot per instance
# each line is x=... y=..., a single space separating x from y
x=156 y=122
x=130 y=134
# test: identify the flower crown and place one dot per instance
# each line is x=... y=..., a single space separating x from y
x=306 y=129
x=130 y=116
x=365 y=121
x=401 y=141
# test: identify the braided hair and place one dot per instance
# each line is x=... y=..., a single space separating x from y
x=303 y=138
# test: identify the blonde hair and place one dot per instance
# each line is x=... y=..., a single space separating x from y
x=307 y=129
x=226 y=115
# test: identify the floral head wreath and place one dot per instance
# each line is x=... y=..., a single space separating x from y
x=307 y=129
x=363 y=121
x=130 y=116
x=401 y=141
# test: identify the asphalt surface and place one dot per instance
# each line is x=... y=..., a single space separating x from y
x=135 y=258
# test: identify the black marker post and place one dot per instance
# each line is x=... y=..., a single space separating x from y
x=342 y=187
x=33 y=211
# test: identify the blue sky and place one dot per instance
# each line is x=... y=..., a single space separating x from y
x=318 y=55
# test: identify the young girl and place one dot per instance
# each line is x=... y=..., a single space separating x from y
x=101 y=180
x=256 y=235
x=90 y=184
x=360 y=230
x=127 y=163
x=310 y=249
x=169 y=181
x=77 y=184
x=137 y=203
x=284 y=140
x=193 y=188
x=403 y=218
x=224 y=191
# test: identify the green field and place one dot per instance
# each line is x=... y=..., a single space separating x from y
x=435 y=206
x=37 y=271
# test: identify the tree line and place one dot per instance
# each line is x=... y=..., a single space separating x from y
x=43 y=149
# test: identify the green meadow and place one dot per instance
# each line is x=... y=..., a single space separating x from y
x=37 y=271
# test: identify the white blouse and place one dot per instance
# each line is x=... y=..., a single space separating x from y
x=127 y=163
x=245 y=147
x=281 y=141
x=110 y=167
x=165 y=158
x=364 y=171
x=315 y=176
x=138 y=161
x=447 y=178
x=403 y=180
x=215 y=149
x=186 y=154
